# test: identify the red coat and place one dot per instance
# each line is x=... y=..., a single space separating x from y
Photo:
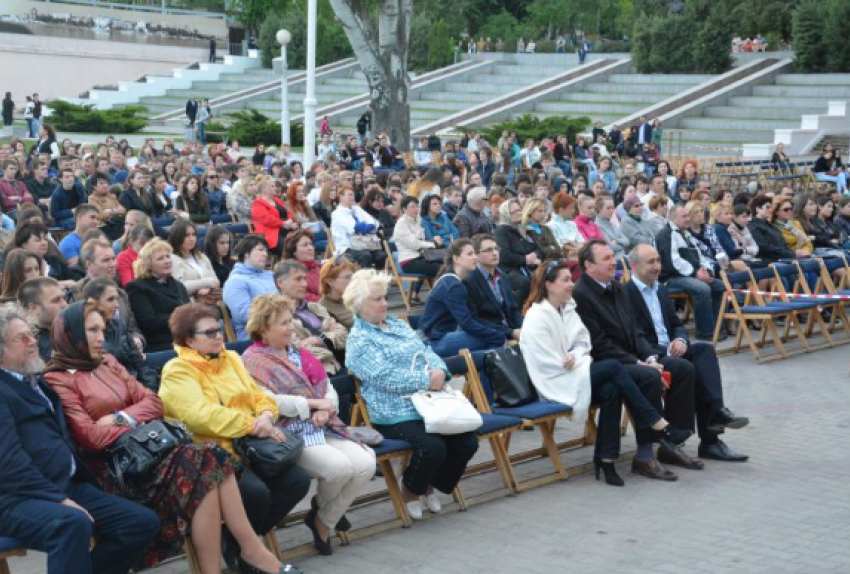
x=267 y=220
x=13 y=189
x=89 y=395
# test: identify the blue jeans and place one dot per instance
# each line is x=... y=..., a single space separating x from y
x=451 y=344
x=202 y=134
x=839 y=180
x=707 y=301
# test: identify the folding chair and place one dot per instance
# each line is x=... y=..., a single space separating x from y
x=755 y=308
x=790 y=274
x=229 y=331
x=541 y=415
x=329 y=250
x=9 y=548
x=403 y=280
x=494 y=430
x=818 y=267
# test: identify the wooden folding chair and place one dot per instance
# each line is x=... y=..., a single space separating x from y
x=329 y=249
x=403 y=280
x=824 y=285
x=790 y=274
x=229 y=331
x=541 y=415
x=9 y=548
x=755 y=308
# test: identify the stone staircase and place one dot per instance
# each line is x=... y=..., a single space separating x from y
x=753 y=116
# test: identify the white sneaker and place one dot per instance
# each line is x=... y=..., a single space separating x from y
x=414 y=509
x=432 y=503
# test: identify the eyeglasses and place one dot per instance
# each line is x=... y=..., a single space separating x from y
x=23 y=338
x=210 y=333
x=785 y=209
x=490 y=250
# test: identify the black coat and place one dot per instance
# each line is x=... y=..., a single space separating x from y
x=614 y=330
x=675 y=328
x=131 y=199
x=34 y=445
x=514 y=247
x=485 y=307
x=192 y=110
x=153 y=302
x=772 y=246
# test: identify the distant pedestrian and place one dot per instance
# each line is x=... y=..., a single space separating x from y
x=325 y=127
x=204 y=115
x=192 y=110
x=36 y=115
x=8 y=109
x=212 y=48
x=28 y=109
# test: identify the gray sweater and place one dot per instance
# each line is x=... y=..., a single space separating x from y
x=618 y=242
x=638 y=232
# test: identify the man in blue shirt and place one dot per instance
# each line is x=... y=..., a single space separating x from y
x=85 y=219
x=657 y=317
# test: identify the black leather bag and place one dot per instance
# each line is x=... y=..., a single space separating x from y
x=268 y=457
x=434 y=254
x=509 y=380
x=136 y=454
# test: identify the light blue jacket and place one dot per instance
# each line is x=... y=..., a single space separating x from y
x=608 y=178
x=447 y=230
x=383 y=361
x=245 y=283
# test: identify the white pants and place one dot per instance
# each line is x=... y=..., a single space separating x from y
x=343 y=469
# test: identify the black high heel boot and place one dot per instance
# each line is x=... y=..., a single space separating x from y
x=607 y=468
x=342 y=526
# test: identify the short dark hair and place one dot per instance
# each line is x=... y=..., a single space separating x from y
x=28 y=230
x=585 y=254
x=83 y=209
x=480 y=238
x=29 y=293
x=741 y=209
x=94 y=289
x=759 y=201
x=247 y=244
x=98 y=177
x=186 y=317
x=407 y=200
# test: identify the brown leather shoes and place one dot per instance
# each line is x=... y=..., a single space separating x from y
x=652 y=469
x=678 y=457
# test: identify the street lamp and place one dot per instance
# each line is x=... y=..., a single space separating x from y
x=310 y=102
x=284 y=38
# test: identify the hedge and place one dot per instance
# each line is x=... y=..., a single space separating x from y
x=68 y=117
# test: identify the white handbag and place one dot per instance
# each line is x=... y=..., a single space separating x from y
x=446 y=411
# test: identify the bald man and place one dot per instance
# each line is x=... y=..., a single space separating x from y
x=662 y=327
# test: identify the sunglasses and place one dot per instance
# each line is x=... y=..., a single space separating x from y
x=211 y=333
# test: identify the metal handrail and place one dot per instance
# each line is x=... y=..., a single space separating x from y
x=141 y=8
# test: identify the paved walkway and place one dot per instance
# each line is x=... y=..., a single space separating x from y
x=786 y=511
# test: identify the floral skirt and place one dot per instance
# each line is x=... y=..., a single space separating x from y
x=181 y=482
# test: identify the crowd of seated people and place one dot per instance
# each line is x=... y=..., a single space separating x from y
x=122 y=259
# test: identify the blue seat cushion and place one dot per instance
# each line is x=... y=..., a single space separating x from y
x=7 y=543
x=495 y=423
x=157 y=360
x=239 y=346
x=533 y=411
x=390 y=446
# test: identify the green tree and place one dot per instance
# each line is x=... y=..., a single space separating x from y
x=809 y=47
x=251 y=13
x=440 y=46
x=503 y=25
x=835 y=36
x=642 y=44
x=712 y=51
x=269 y=48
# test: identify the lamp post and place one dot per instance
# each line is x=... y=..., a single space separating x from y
x=310 y=102
x=284 y=38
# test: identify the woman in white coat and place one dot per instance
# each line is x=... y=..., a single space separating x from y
x=556 y=347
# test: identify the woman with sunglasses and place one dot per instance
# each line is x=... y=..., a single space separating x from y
x=208 y=388
x=792 y=231
x=556 y=348
x=770 y=242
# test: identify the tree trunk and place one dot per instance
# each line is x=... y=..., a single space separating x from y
x=382 y=55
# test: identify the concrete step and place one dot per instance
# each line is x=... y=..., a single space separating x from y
x=514 y=70
x=814 y=79
x=360 y=83
x=738 y=123
x=466 y=87
x=771 y=102
x=451 y=97
x=760 y=113
x=749 y=136
x=809 y=91
x=439 y=105
x=598 y=97
x=510 y=82
x=664 y=89
x=586 y=108
x=689 y=79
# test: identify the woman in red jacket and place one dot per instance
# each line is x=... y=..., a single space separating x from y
x=272 y=219
x=193 y=489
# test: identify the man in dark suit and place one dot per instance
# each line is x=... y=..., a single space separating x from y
x=657 y=317
x=604 y=307
x=48 y=500
x=191 y=110
x=490 y=296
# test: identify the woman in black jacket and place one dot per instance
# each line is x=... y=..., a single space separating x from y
x=136 y=196
x=155 y=294
x=519 y=254
x=373 y=204
x=771 y=244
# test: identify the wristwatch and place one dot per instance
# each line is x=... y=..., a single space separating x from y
x=121 y=419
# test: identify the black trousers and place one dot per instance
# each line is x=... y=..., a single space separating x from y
x=679 y=398
x=648 y=382
x=520 y=286
x=268 y=501
x=123 y=529
x=701 y=360
x=367 y=259
x=612 y=385
x=438 y=460
x=422 y=267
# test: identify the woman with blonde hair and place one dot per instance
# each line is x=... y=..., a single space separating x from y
x=308 y=406
x=534 y=216
x=155 y=293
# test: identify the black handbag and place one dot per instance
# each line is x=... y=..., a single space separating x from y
x=137 y=453
x=268 y=457
x=434 y=254
x=509 y=380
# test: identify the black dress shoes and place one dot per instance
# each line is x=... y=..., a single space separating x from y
x=652 y=469
x=724 y=418
x=719 y=451
x=677 y=457
x=673 y=435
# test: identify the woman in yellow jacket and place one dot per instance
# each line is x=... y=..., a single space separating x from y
x=209 y=389
x=792 y=231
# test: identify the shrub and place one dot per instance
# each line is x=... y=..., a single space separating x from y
x=835 y=36
x=269 y=48
x=612 y=47
x=251 y=127
x=440 y=46
x=711 y=53
x=68 y=117
x=529 y=126
x=809 y=47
